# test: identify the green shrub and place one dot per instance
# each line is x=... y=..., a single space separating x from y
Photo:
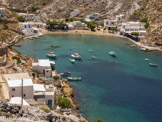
x=44 y=4
x=20 y=19
x=64 y=103
x=144 y=20
x=45 y=109
x=16 y=58
x=37 y=72
x=147 y=25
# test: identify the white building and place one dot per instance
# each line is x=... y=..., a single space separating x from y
x=131 y=27
x=120 y=18
x=27 y=16
x=38 y=24
x=92 y=17
x=75 y=24
x=75 y=13
x=28 y=30
x=44 y=66
x=44 y=94
x=17 y=86
x=2 y=13
x=110 y=23
x=53 y=13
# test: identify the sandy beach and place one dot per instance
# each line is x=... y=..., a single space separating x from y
x=45 y=32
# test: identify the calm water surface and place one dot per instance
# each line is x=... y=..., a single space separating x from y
x=122 y=89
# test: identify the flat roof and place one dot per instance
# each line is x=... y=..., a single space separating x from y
x=17 y=100
x=16 y=76
x=18 y=82
x=39 y=87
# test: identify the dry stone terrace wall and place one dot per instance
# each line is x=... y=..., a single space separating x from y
x=3 y=51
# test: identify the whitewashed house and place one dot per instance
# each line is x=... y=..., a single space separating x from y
x=130 y=27
x=15 y=83
x=27 y=16
x=44 y=66
x=120 y=18
x=38 y=24
x=75 y=13
x=75 y=24
x=92 y=17
x=28 y=30
x=45 y=93
x=53 y=13
x=110 y=23
x=16 y=86
x=2 y=13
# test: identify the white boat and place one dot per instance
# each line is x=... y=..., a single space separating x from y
x=51 y=55
x=74 y=78
x=112 y=53
x=90 y=50
x=76 y=56
x=72 y=60
x=93 y=57
x=153 y=65
x=146 y=59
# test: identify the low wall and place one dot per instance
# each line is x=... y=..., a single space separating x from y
x=3 y=51
x=4 y=62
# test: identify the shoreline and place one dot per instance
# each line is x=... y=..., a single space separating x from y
x=100 y=33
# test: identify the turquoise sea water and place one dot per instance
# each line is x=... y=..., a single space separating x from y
x=122 y=89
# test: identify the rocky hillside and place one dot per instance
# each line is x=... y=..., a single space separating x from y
x=150 y=12
x=9 y=27
x=65 y=7
x=30 y=114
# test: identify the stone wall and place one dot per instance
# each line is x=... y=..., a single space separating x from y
x=4 y=62
x=3 y=51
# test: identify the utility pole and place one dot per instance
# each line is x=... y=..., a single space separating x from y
x=22 y=93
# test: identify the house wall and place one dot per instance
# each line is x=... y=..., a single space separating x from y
x=27 y=90
x=41 y=68
x=48 y=72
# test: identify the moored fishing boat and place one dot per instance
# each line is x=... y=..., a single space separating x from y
x=153 y=65
x=55 y=45
x=51 y=55
x=146 y=59
x=72 y=60
x=76 y=56
x=65 y=74
x=74 y=78
x=112 y=53
x=93 y=57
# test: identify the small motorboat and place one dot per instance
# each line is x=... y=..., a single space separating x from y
x=93 y=57
x=112 y=53
x=74 y=78
x=65 y=74
x=153 y=65
x=72 y=60
x=146 y=59
x=76 y=56
x=51 y=55
x=90 y=50
x=55 y=45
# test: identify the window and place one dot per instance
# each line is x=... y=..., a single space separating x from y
x=12 y=95
x=13 y=89
x=24 y=95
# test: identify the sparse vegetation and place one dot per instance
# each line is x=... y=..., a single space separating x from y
x=63 y=103
x=20 y=19
x=16 y=58
x=45 y=109
x=135 y=34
